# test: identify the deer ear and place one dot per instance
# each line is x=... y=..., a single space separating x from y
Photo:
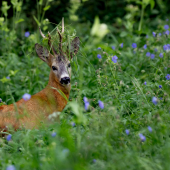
x=74 y=46
x=43 y=53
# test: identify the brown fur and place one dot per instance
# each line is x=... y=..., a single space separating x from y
x=29 y=114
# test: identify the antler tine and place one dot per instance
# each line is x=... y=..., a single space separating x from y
x=61 y=38
x=49 y=43
x=41 y=33
x=63 y=25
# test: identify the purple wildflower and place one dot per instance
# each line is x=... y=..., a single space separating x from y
x=99 y=48
x=152 y=56
x=8 y=138
x=101 y=104
x=73 y=124
x=145 y=83
x=154 y=34
x=150 y=129
x=127 y=131
x=86 y=105
x=53 y=134
x=85 y=99
x=114 y=59
x=134 y=45
x=160 y=86
x=27 y=34
x=113 y=47
x=165 y=47
x=166 y=27
x=148 y=54
x=11 y=167
x=121 y=45
x=160 y=34
x=154 y=100
x=167 y=76
x=145 y=46
x=142 y=137
x=8 y=77
x=161 y=55
x=147 y=36
x=167 y=32
x=155 y=49
x=94 y=160
x=99 y=56
x=26 y=96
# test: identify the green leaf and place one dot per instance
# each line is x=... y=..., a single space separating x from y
x=46 y=8
x=152 y=3
x=20 y=20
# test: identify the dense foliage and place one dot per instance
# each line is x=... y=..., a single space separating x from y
x=118 y=114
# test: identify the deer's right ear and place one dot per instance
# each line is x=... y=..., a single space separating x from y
x=43 y=53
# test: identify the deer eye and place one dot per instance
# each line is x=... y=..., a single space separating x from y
x=69 y=65
x=54 y=68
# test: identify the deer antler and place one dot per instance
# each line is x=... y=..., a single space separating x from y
x=49 y=41
x=60 y=36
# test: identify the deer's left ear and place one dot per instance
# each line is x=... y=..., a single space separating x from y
x=74 y=47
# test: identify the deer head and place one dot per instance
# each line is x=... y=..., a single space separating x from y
x=58 y=61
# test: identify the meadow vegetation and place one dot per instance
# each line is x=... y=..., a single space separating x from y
x=118 y=114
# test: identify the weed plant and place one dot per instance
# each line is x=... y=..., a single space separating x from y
x=118 y=114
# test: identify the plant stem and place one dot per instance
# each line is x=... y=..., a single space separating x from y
x=141 y=17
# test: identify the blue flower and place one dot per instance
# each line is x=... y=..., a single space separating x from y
x=160 y=86
x=11 y=167
x=94 y=160
x=8 y=138
x=165 y=47
x=145 y=83
x=148 y=54
x=147 y=36
x=154 y=100
x=86 y=105
x=53 y=134
x=73 y=124
x=154 y=34
x=167 y=19
x=114 y=59
x=160 y=34
x=134 y=45
x=27 y=34
x=113 y=47
x=85 y=99
x=8 y=77
x=167 y=32
x=168 y=46
x=150 y=129
x=142 y=137
x=167 y=76
x=166 y=27
x=101 y=104
x=121 y=45
x=99 y=56
x=152 y=56
x=161 y=55
x=145 y=46
x=155 y=49
x=99 y=48
x=26 y=96
x=127 y=131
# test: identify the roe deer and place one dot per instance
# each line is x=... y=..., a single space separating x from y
x=30 y=113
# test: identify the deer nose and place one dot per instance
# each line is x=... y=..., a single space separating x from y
x=65 y=80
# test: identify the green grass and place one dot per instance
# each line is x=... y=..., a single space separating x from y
x=98 y=139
